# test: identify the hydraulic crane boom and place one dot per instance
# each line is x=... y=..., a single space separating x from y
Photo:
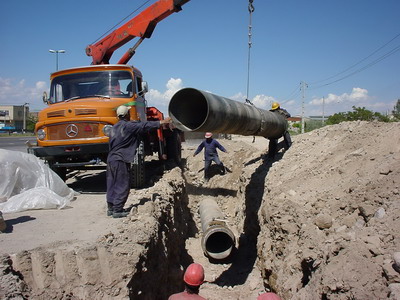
x=141 y=26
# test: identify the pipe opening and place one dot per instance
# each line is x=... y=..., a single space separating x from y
x=218 y=242
x=183 y=105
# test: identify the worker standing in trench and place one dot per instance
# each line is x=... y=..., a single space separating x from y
x=124 y=140
x=193 y=279
x=210 y=146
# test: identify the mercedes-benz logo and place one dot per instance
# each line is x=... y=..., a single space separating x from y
x=71 y=130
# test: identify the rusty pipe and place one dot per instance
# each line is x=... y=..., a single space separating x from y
x=196 y=110
x=218 y=240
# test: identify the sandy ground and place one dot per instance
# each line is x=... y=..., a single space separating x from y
x=320 y=221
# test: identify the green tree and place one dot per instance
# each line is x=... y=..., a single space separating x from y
x=30 y=123
x=358 y=114
x=396 y=110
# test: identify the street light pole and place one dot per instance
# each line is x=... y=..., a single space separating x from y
x=56 y=52
x=24 y=119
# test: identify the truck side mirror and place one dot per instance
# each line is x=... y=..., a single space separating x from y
x=45 y=98
x=145 y=88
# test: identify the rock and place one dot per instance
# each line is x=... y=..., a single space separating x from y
x=385 y=171
x=394 y=291
x=367 y=211
x=396 y=261
x=391 y=275
x=380 y=213
x=323 y=221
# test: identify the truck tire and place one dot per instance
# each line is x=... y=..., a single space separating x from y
x=138 y=169
x=174 y=147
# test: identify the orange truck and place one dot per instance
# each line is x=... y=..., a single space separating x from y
x=72 y=132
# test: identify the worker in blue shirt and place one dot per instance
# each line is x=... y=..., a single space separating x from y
x=210 y=146
x=125 y=137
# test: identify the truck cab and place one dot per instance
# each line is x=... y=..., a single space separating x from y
x=72 y=132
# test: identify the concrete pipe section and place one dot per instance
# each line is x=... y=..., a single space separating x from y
x=218 y=240
x=195 y=110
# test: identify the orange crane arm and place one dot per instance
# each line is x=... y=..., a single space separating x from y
x=141 y=26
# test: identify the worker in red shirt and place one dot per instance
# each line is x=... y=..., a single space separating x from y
x=193 y=279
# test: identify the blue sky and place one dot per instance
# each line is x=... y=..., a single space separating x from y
x=205 y=46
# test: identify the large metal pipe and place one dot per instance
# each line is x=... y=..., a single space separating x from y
x=218 y=240
x=196 y=110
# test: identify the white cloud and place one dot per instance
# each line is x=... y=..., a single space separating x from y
x=357 y=95
x=261 y=101
x=18 y=92
x=161 y=99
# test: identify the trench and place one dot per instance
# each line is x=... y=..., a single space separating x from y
x=167 y=257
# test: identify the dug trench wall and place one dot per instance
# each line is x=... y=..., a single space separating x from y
x=138 y=261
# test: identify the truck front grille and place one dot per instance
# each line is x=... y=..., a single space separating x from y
x=70 y=131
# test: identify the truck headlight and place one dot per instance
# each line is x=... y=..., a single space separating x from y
x=107 y=130
x=41 y=134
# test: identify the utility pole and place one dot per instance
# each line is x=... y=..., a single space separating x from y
x=303 y=86
x=323 y=111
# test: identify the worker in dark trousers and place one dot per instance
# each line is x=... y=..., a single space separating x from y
x=273 y=143
x=193 y=279
x=210 y=146
x=125 y=137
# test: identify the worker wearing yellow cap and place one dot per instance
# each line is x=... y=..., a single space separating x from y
x=273 y=143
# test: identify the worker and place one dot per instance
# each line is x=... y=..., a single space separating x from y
x=125 y=137
x=193 y=279
x=210 y=146
x=268 y=296
x=273 y=142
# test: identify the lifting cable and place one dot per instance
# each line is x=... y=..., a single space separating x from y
x=251 y=10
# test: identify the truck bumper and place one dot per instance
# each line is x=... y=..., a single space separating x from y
x=72 y=155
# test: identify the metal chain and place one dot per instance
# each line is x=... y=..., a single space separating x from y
x=251 y=10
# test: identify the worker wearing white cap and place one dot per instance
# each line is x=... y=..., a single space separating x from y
x=210 y=146
x=124 y=140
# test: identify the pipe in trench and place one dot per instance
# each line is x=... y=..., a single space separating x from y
x=218 y=240
x=196 y=110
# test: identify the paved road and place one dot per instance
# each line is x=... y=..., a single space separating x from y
x=16 y=143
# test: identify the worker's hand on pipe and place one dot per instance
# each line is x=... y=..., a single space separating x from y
x=166 y=121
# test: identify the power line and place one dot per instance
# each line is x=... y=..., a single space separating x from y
x=386 y=55
x=359 y=62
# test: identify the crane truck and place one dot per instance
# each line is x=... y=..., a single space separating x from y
x=72 y=131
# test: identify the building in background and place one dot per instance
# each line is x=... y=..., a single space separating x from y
x=14 y=117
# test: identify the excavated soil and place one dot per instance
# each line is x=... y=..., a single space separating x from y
x=319 y=221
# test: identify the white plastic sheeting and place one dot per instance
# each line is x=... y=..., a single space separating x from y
x=26 y=183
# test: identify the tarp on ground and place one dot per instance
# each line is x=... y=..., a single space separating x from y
x=27 y=183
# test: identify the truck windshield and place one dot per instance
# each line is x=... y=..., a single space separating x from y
x=103 y=84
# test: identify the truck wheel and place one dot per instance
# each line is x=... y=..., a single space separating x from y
x=174 y=147
x=138 y=168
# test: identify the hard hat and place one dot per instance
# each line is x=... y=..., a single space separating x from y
x=194 y=275
x=268 y=296
x=275 y=105
x=122 y=110
x=208 y=135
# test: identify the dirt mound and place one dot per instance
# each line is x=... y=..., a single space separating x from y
x=320 y=221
